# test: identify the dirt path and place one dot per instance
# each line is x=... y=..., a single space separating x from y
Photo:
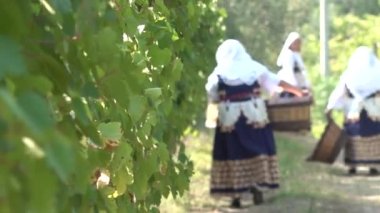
x=305 y=187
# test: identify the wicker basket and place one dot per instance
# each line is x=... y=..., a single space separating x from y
x=290 y=114
x=332 y=141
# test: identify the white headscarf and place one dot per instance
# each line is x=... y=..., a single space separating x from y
x=234 y=65
x=362 y=75
x=285 y=48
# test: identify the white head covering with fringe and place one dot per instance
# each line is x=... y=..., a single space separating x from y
x=362 y=76
x=234 y=65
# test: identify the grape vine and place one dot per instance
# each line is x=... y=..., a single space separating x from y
x=94 y=98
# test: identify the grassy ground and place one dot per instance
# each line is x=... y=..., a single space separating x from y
x=305 y=187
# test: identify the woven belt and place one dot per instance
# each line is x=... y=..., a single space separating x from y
x=239 y=96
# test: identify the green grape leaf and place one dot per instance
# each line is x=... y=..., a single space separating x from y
x=131 y=22
x=190 y=9
x=110 y=131
x=159 y=57
x=161 y=6
x=123 y=178
x=163 y=153
x=82 y=112
x=126 y=205
x=110 y=203
x=11 y=12
x=145 y=130
x=37 y=110
x=145 y=167
x=63 y=6
x=151 y=118
x=89 y=90
x=105 y=44
x=60 y=157
x=34 y=82
x=182 y=184
x=136 y=108
x=11 y=60
x=153 y=93
x=122 y=157
x=155 y=199
x=164 y=188
x=16 y=109
x=116 y=88
x=40 y=199
x=140 y=185
x=176 y=70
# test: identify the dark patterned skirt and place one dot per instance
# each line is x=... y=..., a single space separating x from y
x=242 y=159
x=363 y=148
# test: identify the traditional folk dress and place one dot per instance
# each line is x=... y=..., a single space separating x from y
x=292 y=67
x=244 y=152
x=357 y=93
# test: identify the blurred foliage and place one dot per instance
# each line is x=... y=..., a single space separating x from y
x=91 y=89
x=263 y=26
x=355 y=7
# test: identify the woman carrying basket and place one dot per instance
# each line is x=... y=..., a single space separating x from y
x=358 y=94
x=244 y=153
x=292 y=67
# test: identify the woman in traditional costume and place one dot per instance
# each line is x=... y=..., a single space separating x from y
x=292 y=67
x=357 y=93
x=244 y=152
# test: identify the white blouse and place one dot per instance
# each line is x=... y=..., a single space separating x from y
x=267 y=80
x=287 y=73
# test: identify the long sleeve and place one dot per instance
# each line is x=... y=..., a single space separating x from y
x=269 y=81
x=336 y=99
x=212 y=87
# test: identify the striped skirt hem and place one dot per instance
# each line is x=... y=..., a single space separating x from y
x=237 y=177
x=363 y=151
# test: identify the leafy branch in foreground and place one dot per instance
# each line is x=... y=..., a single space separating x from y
x=94 y=98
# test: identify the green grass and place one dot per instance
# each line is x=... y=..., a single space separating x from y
x=299 y=177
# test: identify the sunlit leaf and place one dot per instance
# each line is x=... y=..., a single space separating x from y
x=110 y=131
x=136 y=107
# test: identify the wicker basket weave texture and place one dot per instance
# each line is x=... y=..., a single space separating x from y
x=289 y=113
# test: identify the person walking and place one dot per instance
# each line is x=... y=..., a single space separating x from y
x=358 y=94
x=244 y=152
